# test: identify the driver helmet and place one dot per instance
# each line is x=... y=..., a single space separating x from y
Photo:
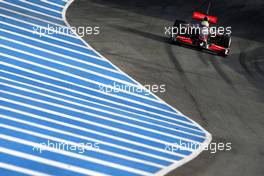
x=205 y=22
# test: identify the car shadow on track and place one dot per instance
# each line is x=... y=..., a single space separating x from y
x=163 y=39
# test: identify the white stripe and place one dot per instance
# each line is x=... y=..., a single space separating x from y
x=76 y=144
x=51 y=3
x=83 y=121
x=64 y=48
x=95 y=97
x=118 y=114
x=89 y=131
x=68 y=154
x=40 y=6
x=31 y=10
x=94 y=82
x=104 y=111
x=21 y=170
x=36 y=25
x=54 y=38
x=95 y=123
x=51 y=162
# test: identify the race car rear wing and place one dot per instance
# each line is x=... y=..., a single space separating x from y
x=200 y=16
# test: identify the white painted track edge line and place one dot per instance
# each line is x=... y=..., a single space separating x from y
x=174 y=165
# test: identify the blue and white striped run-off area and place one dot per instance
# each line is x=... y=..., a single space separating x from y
x=56 y=117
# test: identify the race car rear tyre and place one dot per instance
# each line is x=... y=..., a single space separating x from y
x=226 y=43
x=226 y=40
x=225 y=53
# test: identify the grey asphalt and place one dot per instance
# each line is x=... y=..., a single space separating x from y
x=224 y=95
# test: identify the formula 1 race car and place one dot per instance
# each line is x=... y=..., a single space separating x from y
x=209 y=37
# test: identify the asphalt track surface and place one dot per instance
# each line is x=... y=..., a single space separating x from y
x=224 y=95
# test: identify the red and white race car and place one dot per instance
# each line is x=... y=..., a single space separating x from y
x=212 y=38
